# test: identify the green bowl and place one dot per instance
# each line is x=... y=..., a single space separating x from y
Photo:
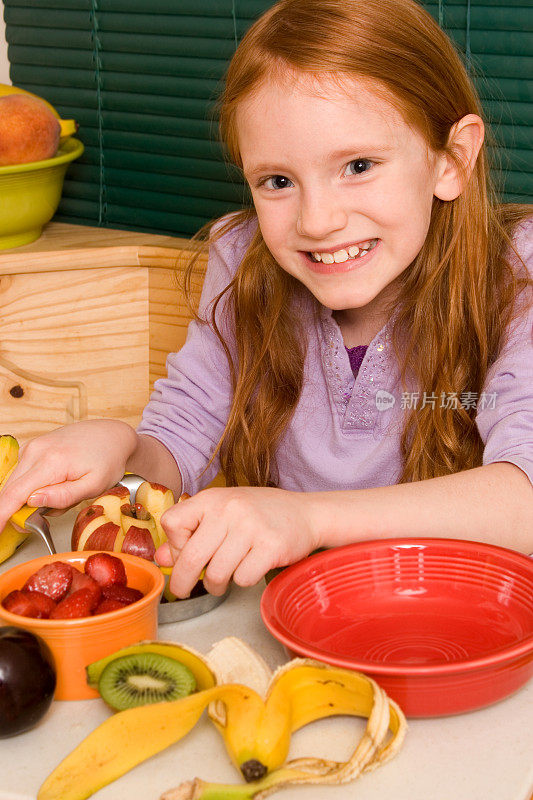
x=30 y=194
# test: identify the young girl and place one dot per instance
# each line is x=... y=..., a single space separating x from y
x=366 y=365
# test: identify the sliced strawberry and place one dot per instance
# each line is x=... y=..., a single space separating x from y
x=106 y=569
x=19 y=603
x=109 y=605
x=124 y=594
x=76 y=605
x=43 y=604
x=53 y=580
x=82 y=581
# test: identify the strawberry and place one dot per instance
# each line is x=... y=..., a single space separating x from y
x=18 y=602
x=109 y=605
x=28 y=604
x=53 y=580
x=43 y=604
x=82 y=581
x=76 y=605
x=106 y=569
x=124 y=594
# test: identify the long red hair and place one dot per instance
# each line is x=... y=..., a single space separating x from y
x=462 y=281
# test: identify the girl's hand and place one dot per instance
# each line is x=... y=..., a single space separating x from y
x=239 y=532
x=67 y=465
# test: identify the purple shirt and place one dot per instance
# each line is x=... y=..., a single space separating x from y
x=345 y=432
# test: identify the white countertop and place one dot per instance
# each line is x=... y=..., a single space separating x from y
x=484 y=755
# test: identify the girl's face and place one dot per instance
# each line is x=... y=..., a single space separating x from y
x=342 y=186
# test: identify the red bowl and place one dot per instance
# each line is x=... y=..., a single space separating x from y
x=443 y=625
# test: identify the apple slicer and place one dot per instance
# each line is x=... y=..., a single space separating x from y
x=32 y=520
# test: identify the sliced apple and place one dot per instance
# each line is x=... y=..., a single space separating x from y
x=156 y=498
x=87 y=521
x=103 y=538
x=139 y=542
x=112 y=500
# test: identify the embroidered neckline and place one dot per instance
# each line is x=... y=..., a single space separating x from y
x=354 y=398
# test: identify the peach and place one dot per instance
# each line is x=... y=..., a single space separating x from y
x=29 y=131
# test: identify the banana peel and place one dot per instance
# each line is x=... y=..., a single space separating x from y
x=68 y=126
x=256 y=729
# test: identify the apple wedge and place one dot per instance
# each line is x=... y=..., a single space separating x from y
x=156 y=498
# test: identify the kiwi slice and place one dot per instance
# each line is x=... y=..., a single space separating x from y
x=142 y=678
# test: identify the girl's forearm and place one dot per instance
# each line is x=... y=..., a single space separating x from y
x=492 y=503
x=153 y=461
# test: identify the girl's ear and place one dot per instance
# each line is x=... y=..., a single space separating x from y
x=465 y=140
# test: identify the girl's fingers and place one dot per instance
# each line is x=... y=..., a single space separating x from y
x=163 y=556
x=66 y=493
x=224 y=563
x=252 y=568
x=194 y=555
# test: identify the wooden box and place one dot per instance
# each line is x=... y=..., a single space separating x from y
x=87 y=318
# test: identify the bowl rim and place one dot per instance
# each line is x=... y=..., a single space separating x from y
x=47 y=624
x=68 y=150
x=494 y=658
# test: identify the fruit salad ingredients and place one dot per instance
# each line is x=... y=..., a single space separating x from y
x=256 y=731
x=142 y=678
x=10 y=537
x=113 y=523
x=124 y=594
x=29 y=604
x=106 y=569
x=198 y=664
x=80 y=580
x=51 y=579
x=76 y=605
x=27 y=680
x=109 y=605
x=60 y=591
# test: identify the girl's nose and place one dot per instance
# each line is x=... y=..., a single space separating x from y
x=320 y=214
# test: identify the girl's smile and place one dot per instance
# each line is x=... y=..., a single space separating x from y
x=342 y=259
x=344 y=207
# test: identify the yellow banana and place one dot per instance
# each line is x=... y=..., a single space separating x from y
x=256 y=731
x=9 y=452
x=10 y=537
x=318 y=691
x=121 y=742
x=68 y=126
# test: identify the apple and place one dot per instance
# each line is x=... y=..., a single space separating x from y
x=111 y=522
x=158 y=499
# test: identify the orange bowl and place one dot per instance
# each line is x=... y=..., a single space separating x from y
x=75 y=643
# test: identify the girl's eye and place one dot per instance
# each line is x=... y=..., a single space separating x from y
x=358 y=166
x=277 y=182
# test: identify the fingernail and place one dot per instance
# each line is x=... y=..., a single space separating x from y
x=36 y=500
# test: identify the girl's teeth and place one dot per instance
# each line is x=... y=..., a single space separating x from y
x=340 y=256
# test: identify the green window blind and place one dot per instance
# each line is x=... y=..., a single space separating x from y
x=141 y=78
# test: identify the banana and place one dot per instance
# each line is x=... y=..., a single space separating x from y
x=130 y=737
x=256 y=729
x=68 y=126
x=10 y=537
x=198 y=664
x=9 y=451
x=318 y=691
